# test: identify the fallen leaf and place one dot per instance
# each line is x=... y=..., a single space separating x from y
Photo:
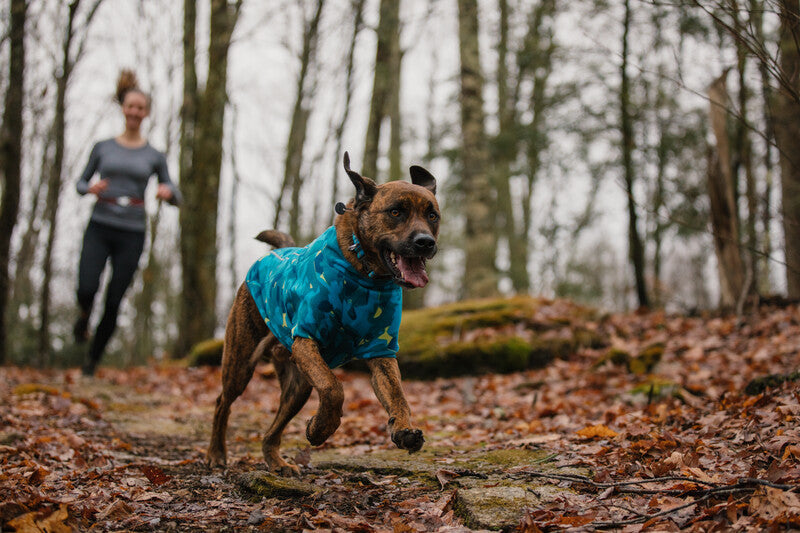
x=155 y=475
x=598 y=431
x=54 y=523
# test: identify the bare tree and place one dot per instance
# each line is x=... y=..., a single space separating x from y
x=358 y=22
x=11 y=154
x=201 y=163
x=724 y=221
x=787 y=132
x=293 y=161
x=480 y=272
x=635 y=245
x=385 y=90
x=70 y=57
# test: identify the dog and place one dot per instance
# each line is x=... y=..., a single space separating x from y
x=312 y=309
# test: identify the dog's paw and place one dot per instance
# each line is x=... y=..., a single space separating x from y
x=215 y=460
x=408 y=439
x=317 y=432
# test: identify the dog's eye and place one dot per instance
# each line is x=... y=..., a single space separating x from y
x=433 y=217
x=395 y=213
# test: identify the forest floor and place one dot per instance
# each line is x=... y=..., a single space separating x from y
x=654 y=431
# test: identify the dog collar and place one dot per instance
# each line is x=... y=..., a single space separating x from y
x=359 y=251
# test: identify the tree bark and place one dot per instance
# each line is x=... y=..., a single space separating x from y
x=765 y=210
x=635 y=245
x=199 y=214
x=358 y=22
x=387 y=50
x=11 y=155
x=724 y=222
x=292 y=164
x=191 y=194
x=787 y=132
x=480 y=272
x=54 y=184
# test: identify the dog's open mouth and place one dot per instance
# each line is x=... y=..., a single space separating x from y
x=408 y=271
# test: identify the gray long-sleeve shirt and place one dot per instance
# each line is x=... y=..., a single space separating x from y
x=128 y=170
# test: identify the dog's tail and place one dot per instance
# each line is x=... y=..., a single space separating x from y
x=275 y=238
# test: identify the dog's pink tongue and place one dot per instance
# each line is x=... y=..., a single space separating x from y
x=413 y=270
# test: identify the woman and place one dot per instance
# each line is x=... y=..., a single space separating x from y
x=117 y=226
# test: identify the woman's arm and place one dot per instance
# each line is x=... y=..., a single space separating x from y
x=166 y=189
x=91 y=167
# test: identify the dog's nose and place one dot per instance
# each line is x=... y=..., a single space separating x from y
x=424 y=244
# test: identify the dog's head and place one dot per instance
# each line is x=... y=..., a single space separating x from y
x=396 y=223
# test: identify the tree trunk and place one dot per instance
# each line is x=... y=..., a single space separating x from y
x=11 y=155
x=358 y=22
x=199 y=214
x=721 y=196
x=763 y=270
x=504 y=151
x=742 y=157
x=787 y=132
x=635 y=245
x=292 y=165
x=54 y=185
x=387 y=47
x=187 y=216
x=480 y=273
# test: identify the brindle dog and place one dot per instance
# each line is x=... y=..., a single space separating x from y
x=397 y=224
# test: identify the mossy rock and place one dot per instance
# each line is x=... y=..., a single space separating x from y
x=520 y=333
x=647 y=359
x=259 y=484
x=494 y=508
x=658 y=389
x=759 y=385
x=206 y=353
x=640 y=364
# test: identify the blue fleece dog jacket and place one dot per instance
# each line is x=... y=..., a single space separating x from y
x=315 y=293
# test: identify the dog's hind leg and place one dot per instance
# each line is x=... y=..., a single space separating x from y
x=295 y=391
x=246 y=341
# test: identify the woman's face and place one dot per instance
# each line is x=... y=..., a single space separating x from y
x=135 y=108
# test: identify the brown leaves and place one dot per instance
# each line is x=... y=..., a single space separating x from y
x=130 y=456
x=52 y=523
x=598 y=431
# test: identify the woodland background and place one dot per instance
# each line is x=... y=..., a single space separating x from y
x=620 y=153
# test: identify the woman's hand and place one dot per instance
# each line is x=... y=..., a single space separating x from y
x=164 y=192
x=98 y=187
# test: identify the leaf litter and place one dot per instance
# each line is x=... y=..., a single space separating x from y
x=681 y=447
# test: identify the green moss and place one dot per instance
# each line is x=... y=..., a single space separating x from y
x=494 y=508
x=656 y=389
x=759 y=385
x=647 y=359
x=615 y=356
x=206 y=353
x=259 y=485
x=520 y=333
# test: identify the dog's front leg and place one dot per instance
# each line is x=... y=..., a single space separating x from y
x=305 y=354
x=386 y=383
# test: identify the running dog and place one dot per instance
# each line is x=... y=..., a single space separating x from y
x=312 y=309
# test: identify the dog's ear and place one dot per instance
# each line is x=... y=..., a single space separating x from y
x=365 y=187
x=423 y=178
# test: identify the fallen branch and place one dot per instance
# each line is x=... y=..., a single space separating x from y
x=711 y=490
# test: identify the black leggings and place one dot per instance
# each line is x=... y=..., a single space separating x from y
x=123 y=247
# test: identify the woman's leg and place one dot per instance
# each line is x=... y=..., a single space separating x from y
x=125 y=253
x=94 y=254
